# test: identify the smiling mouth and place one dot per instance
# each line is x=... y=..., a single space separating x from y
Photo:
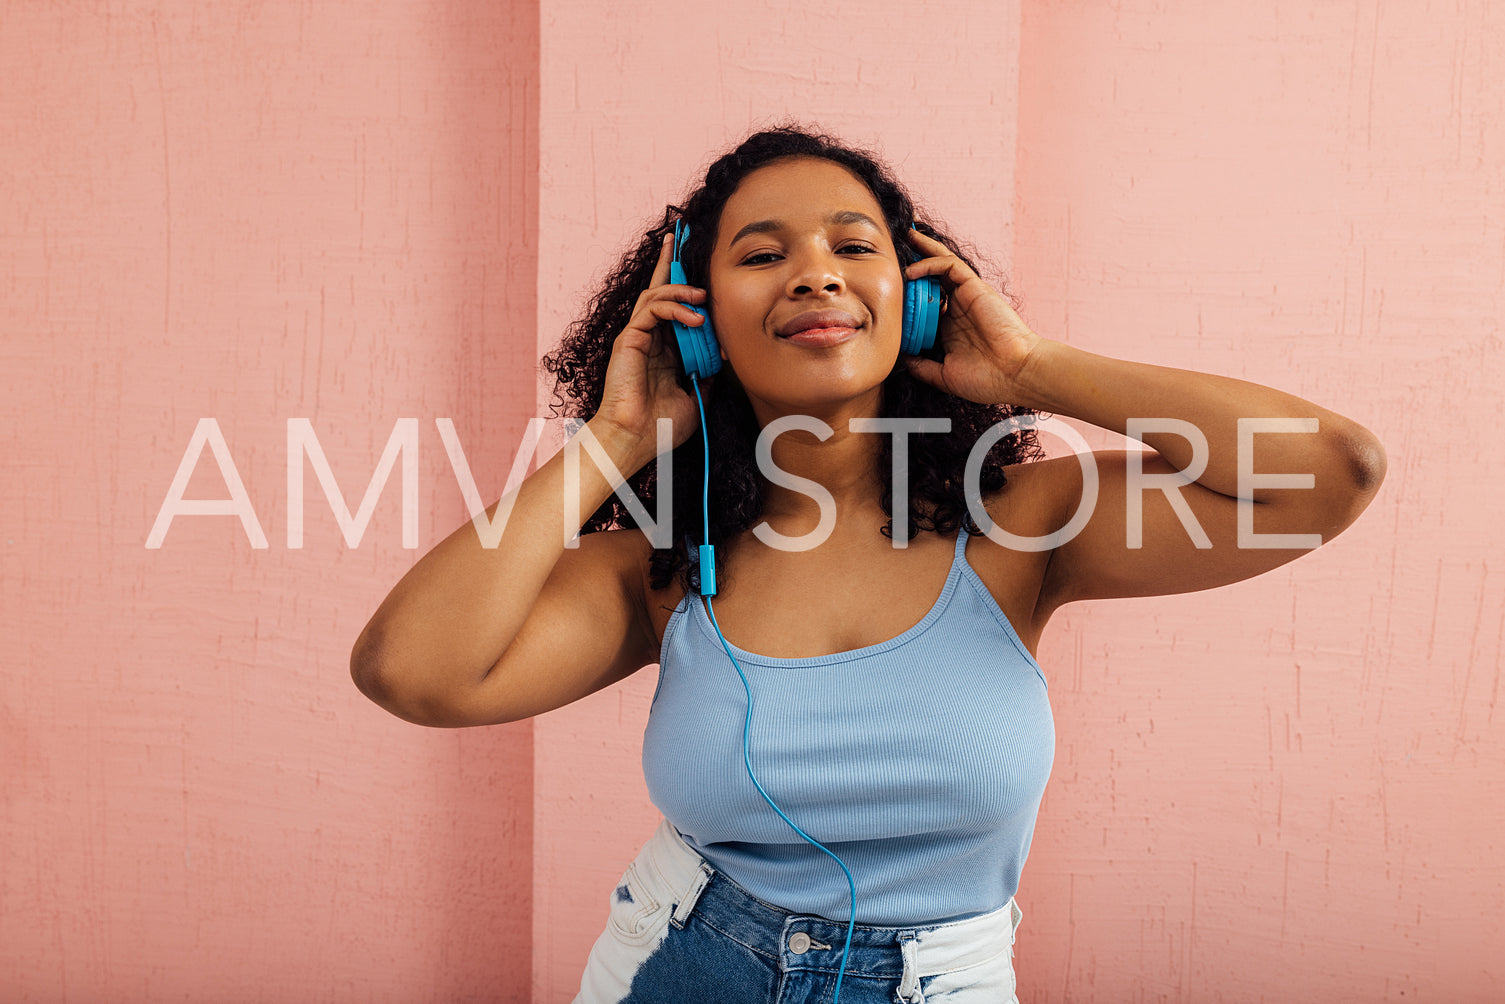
x=819 y=338
x=819 y=328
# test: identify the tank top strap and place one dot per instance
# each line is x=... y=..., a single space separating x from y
x=961 y=543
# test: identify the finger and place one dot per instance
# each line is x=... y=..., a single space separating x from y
x=927 y=370
x=932 y=248
x=631 y=339
x=924 y=240
x=928 y=246
x=677 y=292
x=649 y=314
x=946 y=266
x=665 y=256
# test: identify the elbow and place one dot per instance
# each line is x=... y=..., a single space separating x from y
x=372 y=670
x=1370 y=467
x=1365 y=462
x=386 y=684
x=366 y=668
x=1357 y=469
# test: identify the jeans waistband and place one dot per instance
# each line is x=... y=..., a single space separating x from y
x=802 y=941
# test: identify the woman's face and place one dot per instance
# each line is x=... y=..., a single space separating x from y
x=806 y=290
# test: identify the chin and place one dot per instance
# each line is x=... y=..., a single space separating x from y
x=820 y=396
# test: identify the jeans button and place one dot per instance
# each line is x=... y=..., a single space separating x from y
x=799 y=943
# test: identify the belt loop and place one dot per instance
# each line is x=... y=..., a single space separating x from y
x=683 y=908
x=909 y=991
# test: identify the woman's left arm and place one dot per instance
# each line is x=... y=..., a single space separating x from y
x=1295 y=469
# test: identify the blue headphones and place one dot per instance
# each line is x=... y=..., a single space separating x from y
x=701 y=353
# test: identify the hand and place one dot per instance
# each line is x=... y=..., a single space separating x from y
x=986 y=343
x=641 y=377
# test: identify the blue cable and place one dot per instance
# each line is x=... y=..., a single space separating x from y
x=708 y=575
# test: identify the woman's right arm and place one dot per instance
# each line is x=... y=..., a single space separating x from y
x=472 y=636
x=477 y=636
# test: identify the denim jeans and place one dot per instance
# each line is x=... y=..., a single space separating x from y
x=679 y=932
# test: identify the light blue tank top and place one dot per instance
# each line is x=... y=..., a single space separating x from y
x=920 y=761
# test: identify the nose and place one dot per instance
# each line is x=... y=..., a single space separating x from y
x=816 y=270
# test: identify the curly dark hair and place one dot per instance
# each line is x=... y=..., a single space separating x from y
x=936 y=460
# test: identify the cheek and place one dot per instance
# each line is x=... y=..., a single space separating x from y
x=724 y=313
x=889 y=293
x=738 y=309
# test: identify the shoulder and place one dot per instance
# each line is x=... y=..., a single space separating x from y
x=624 y=553
x=628 y=554
x=622 y=557
x=1037 y=499
x=1055 y=480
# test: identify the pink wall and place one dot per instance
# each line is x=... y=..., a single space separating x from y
x=1292 y=788
x=1288 y=789
x=252 y=213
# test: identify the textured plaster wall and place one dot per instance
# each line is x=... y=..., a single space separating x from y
x=1292 y=788
x=1287 y=789
x=250 y=212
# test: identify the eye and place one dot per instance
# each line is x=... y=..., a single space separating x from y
x=856 y=249
x=761 y=258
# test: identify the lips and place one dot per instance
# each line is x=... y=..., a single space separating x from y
x=817 y=319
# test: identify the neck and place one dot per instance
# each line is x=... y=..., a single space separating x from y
x=843 y=463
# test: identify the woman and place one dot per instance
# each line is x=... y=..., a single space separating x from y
x=861 y=689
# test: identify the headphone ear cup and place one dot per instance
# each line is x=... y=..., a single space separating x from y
x=699 y=352
x=922 y=314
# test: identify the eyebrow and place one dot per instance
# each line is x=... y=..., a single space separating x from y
x=841 y=218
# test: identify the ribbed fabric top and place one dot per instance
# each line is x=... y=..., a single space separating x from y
x=920 y=761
